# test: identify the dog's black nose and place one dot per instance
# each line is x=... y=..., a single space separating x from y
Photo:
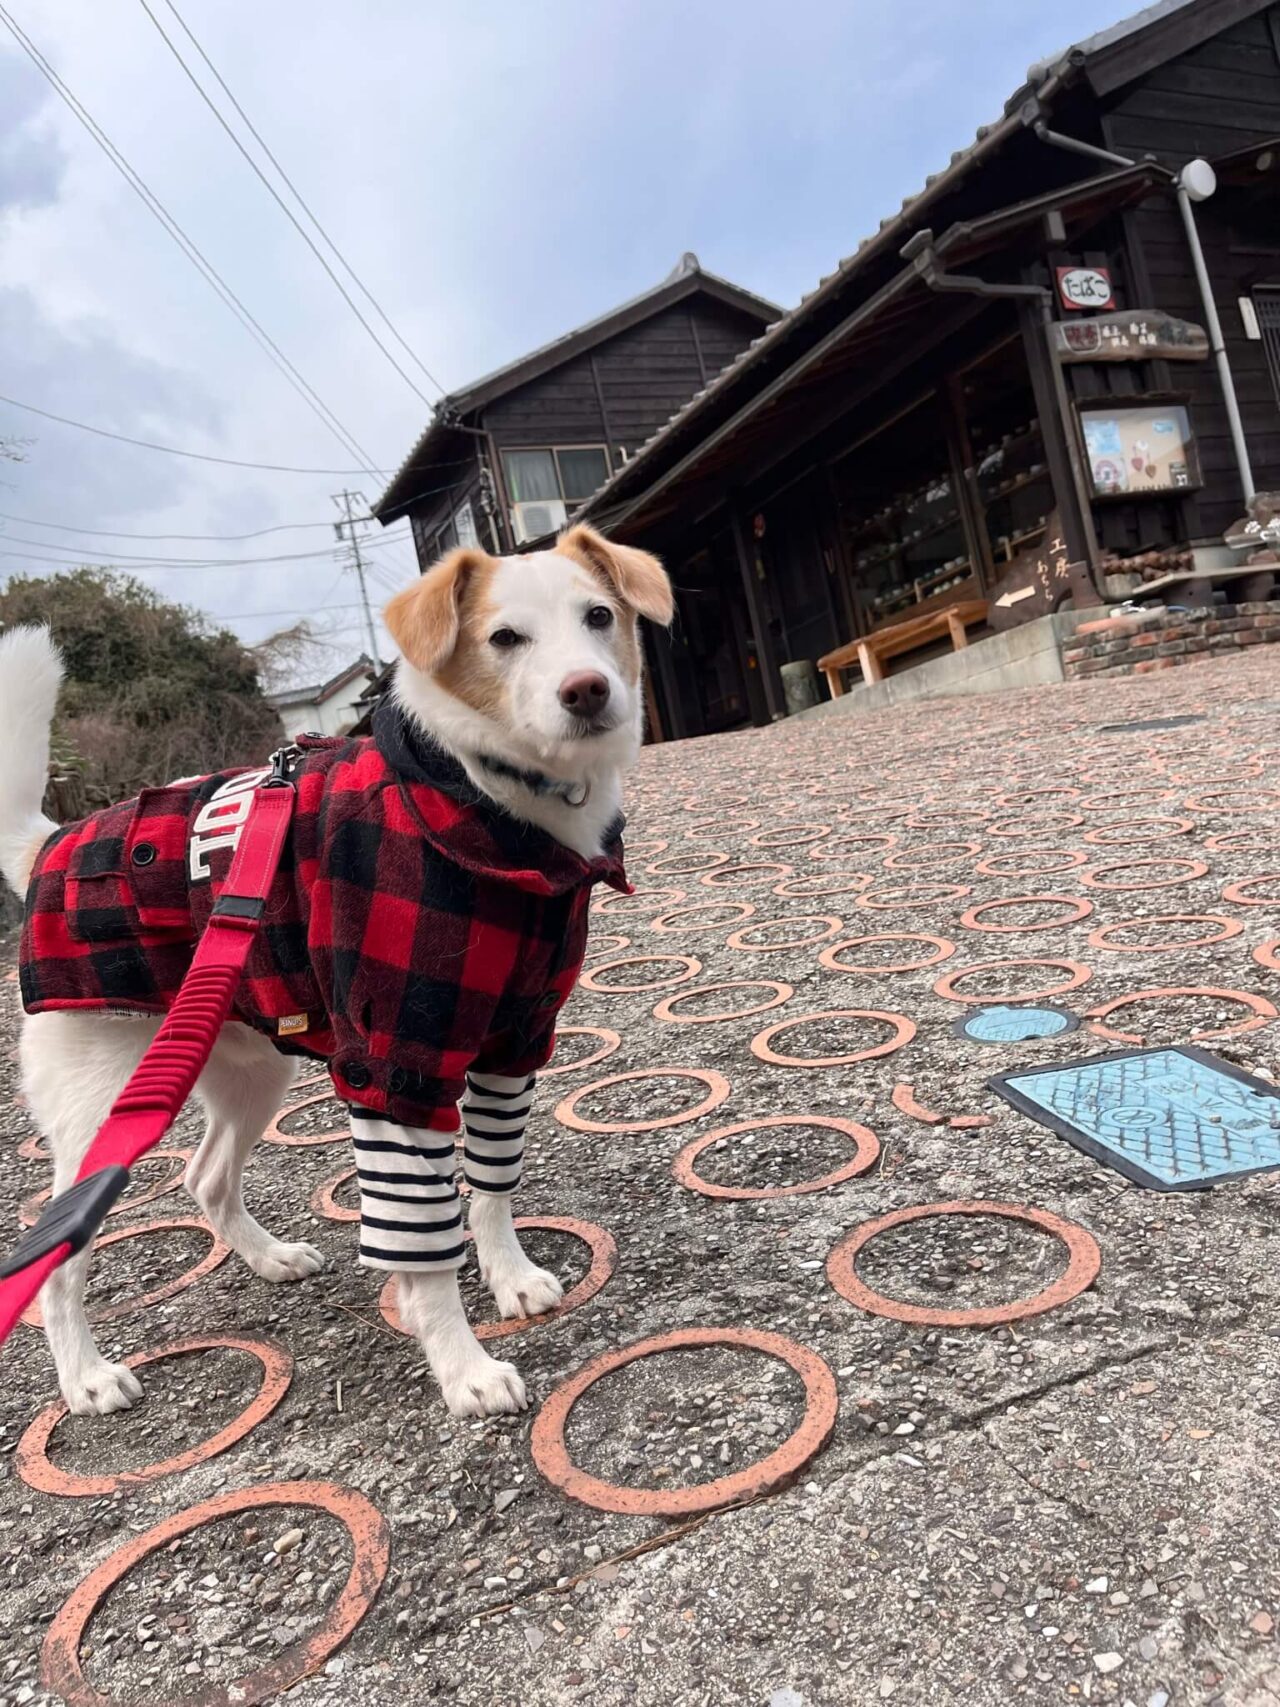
x=585 y=694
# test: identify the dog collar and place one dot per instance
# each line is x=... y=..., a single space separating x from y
x=572 y=793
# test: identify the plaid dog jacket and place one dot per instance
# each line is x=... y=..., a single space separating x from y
x=414 y=932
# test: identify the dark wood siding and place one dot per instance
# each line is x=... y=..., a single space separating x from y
x=561 y=408
x=1213 y=100
x=642 y=376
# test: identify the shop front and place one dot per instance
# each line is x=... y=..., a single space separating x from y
x=1013 y=398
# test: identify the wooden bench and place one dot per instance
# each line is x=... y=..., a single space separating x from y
x=901 y=637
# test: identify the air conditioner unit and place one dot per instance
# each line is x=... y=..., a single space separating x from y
x=537 y=518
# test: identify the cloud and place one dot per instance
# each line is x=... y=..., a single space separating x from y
x=497 y=174
x=31 y=159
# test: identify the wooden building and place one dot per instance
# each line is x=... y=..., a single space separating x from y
x=1009 y=377
x=508 y=459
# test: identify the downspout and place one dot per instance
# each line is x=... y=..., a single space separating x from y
x=1196 y=182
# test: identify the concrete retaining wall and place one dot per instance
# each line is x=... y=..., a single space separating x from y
x=1021 y=658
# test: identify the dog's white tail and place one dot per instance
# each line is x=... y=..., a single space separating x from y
x=30 y=676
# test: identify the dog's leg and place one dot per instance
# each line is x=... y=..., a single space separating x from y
x=495 y=1113
x=242 y=1086
x=411 y=1224
x=473 y=1383
x=73 y=1068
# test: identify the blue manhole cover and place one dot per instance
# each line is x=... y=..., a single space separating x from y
x=1014 y=1025
x=1171 y=1119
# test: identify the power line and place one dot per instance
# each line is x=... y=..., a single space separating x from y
x=206 y=269
x=258 y=533
x=188 y=562
x=250 y=615
x=275 y=194
x=140 y=565
x=298 y=197
x=172 y=450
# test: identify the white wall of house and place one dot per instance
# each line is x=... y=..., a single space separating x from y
x=331 y=716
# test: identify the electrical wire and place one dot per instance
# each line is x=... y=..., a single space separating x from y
x=258 y=533
x=206 y=269
x=298 y=197
x=172 y=450
x=140 y=565
x=275 y=194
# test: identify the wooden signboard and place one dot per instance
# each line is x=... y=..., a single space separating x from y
x=1038 y=582
x=1137 y=335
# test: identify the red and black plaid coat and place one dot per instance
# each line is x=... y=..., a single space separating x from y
x=413 y=929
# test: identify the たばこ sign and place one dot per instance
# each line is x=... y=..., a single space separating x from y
x=1085 y=287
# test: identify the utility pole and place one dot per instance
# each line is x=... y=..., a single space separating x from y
x=346 y=531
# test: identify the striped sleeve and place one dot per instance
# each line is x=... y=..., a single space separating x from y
x=410 y=1212
x=494 y=1115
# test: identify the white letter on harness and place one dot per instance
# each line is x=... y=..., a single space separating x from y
x=220 y=820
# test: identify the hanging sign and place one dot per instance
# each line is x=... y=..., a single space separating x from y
x=1085 y=287
x=1136 y=335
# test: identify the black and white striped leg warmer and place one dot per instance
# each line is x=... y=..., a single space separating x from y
x=494 y=1114
x=410 y=1213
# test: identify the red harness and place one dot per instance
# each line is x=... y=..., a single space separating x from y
x=163 y=1079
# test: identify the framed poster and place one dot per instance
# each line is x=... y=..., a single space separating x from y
x=1139 y=449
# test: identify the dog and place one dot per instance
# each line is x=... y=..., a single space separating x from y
x=426 y=925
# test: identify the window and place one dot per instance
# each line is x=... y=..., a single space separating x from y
x=542 y=476
x=581 y=471
x=1267 y=304
x=464 y=526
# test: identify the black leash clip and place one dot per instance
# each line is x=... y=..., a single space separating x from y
x=72 y=1218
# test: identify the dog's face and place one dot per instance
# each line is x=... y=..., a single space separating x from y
x=544 y=649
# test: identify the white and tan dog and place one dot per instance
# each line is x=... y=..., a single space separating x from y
x=534 y=661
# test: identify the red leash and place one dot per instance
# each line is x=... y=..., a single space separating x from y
x=162 y=1081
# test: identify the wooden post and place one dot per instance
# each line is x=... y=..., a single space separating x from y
x=1061 y=448
x=658 y=646
x=765 y=653
x=973 y=518
x=844 y=563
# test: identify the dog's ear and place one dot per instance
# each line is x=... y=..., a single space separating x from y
x=423 y=619
x=636 y=576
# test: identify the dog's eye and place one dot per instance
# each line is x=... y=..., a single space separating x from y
x=505 y=637
x=599 y=616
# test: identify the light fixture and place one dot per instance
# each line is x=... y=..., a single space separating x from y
x=1198 y=179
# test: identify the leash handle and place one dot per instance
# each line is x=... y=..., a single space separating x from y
x=168 y=1070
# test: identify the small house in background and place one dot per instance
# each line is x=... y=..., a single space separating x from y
x=510 y=458
x=328 y=708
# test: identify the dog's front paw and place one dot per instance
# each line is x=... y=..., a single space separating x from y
x=280 y=1263
x=485 y=1389
x=100 y=1388
x=521 y=1288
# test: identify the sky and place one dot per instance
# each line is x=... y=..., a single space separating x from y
x=496 y=174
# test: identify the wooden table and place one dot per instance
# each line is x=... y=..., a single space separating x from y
x=898 y=637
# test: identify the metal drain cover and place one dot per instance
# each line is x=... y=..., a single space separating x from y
x=1014 y=1025
x=1170 y=1119
x=1147 y=723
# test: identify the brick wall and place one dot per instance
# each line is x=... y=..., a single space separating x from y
x=1134 y=645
